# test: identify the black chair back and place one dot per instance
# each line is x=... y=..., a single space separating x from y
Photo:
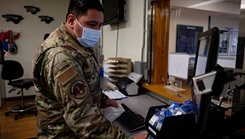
x=1 y=53
x=12 y=70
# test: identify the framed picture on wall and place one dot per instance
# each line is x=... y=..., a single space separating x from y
x=233 y=42
x=187 y=38
x=228 y=42
x=224 y=42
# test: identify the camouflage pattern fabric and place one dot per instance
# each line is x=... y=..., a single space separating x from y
x=68 y=96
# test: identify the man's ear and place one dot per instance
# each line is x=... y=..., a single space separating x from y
x=71 y=20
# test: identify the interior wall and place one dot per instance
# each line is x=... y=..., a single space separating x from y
x=130 y=34
x=185 y=16
x=31 y=30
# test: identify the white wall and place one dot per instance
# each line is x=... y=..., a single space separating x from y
x=31 y=29
x=130 y=37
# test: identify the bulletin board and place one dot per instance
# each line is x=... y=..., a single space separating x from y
x=187 y=38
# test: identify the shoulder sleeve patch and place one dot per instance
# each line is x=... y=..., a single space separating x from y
x=79 y=89
x=67 y=75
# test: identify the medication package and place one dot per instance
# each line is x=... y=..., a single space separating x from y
x=173 y=109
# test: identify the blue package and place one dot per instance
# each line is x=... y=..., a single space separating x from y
x=187 y=107
x=160 y=118
x=173 y=110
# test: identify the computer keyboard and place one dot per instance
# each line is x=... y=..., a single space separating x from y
x=130 y=120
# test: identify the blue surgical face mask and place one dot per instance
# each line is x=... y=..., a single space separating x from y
x=89 y=36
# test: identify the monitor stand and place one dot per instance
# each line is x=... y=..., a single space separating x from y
x=175 y=84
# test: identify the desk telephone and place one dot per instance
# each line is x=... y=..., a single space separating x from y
x=127 y=85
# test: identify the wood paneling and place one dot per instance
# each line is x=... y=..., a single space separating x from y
x=161 y=41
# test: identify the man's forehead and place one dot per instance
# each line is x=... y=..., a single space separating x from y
x=93 y=15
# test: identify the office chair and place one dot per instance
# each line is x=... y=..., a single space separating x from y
x=13 y=71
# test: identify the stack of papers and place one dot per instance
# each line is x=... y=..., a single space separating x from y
x=114 y=94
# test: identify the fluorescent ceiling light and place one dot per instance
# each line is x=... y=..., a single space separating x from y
x=205 y=3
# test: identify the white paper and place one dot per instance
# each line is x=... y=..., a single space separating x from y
x=114 y=94
x=178 y=65
x=111 y=113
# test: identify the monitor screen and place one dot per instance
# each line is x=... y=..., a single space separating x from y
x=113 y=11
x=205 y=61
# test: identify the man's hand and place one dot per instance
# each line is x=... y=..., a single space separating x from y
x=110 y=102
x=142 y=135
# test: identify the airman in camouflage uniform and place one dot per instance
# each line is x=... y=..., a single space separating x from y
x=68 y=96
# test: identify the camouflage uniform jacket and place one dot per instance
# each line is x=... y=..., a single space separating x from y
x=68 y=96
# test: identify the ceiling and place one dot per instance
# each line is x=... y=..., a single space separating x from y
x=221 y=6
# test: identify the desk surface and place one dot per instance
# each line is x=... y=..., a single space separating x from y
x=159 y=89
x=139 y=104
x=169 y=94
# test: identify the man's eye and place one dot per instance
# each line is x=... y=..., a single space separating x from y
x=92 y=25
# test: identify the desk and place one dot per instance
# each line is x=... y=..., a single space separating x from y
x=169 y=94
x=139 y=104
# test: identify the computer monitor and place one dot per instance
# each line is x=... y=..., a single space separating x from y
x=205 y=61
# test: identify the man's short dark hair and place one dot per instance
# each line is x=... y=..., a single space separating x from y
x=80 y=7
